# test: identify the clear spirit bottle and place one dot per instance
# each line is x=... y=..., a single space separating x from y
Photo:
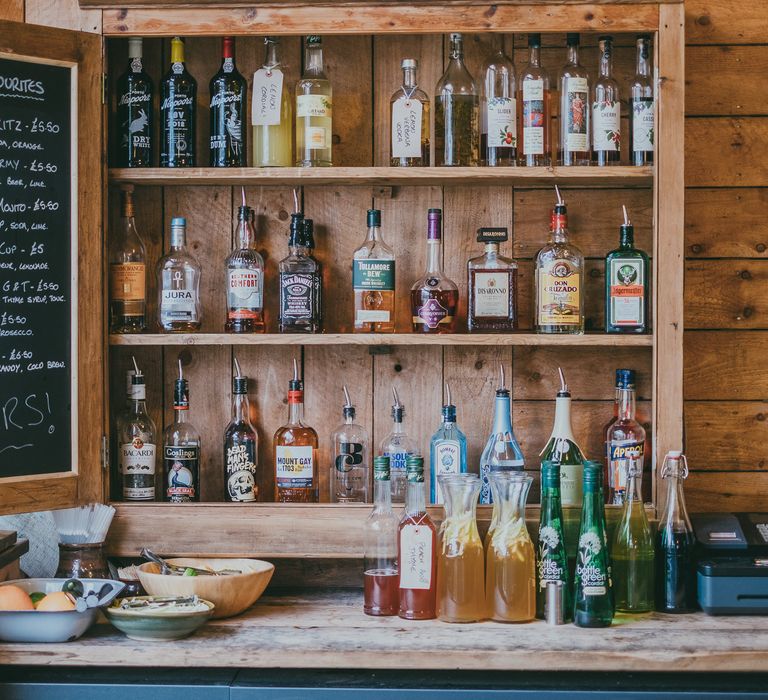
x=178 y=283
x=574 y=108
x=498 y=110
x=299 y=279
x=272 y=111
x=447 y=450
x=350 y=459
x=409 y=117
x=181 y=450
x=314 y=109
x=606 y=110
x=398 y=447
x=533 y=98
x=229 y=100
x=625 y=446
x=641 y=107
x=492 y=286
x=373 y=281
x=178 y=112
x=241 y=447
x=135 y=112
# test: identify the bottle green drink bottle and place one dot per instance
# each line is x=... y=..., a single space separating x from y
x=551 y=558
x=593 y=596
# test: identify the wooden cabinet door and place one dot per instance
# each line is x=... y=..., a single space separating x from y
x=52 y=309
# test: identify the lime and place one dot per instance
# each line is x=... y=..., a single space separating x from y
x=36 y=597
x=190 y=572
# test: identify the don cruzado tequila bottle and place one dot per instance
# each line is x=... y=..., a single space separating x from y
x=373 y=281
x=350 y=459
x=447 y=450
x=606 y=110
x=272 y=111
x=178 y=112
x=533 y=97
x=551 y=557
x=574 y=108
x=498 y=110
x=314 y=109
x=641 y=107
x=229 y=98
x=492 y=285
x=409 y=115
x=398 y=446
x=135 y=112
x=241 y=446
x=625 y=444
x=178 y=284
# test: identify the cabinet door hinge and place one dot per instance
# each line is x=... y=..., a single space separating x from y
x=103 y=88
x=104 y=453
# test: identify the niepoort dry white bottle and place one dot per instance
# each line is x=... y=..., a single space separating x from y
x=135 y=112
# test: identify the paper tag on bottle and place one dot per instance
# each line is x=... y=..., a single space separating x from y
x=267 y=97
x=406 y=128
x=416 y=557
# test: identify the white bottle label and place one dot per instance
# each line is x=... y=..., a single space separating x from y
x=244 y=289
x=316 y=137
x=294 y=466
x=500 y=116
x=627 y=292
x=137 y=458
x=576 y=103
x=416 y=557
x=606 y=126
x=178 y=305
x=447 y=461
x=267 y=97
x=642 y=125
x=491 y=294
x=313 y=106
x=533 y=117
x=406 y=128
x=571 y=493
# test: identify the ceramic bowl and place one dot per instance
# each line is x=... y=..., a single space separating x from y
x=231 y=594
x=158 y=625
x=50 y=626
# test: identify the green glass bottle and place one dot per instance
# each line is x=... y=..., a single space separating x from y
x=551 y=558
x=633 y=553
x=593 y=597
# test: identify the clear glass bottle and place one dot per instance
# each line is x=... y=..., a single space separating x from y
x=135 y=112
x=492 y=286
x=241 y=447
x=535 y=148
x=229 y=100
x=551 y=556
x=178 y=112
x=625 y=446
x=457 y=112
x=373 y=281
x=574 y=108
x=381 y=589
x=350 y=455
x=641 y=107
x=498 y=110
x=606 y=110
x=178 y=284
x=398 y=446
x=298 y=284
x=447 y=450
x=127 y=272
x=314 y=109
x=409 y=118
x=272 y=111
x=622 y=376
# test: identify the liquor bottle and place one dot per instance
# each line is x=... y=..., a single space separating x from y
x=298 y=283
x=593 y=592
x=533 y=97
x=178 y=283
x=417 y=550
x=502 y=451
x=563 y=450
x=135 y=112
x=314 y=109
x=272 y=111
x=350 y=459
x=457 y=118
x=622 y=376
x=632 y=553
x=136 y=444
x=398 y=447
x=625 y=445
x=295 y=445
x=409 y=116
x=373 y=281
x=229 y=100
x=606 y=110
x=381 y=592
x=241 y=446
x=245 y=278
x=551 y=557
x=308 y=242
x=434 y=297
x=127 y=272
x=447 y=450
x=574 y=108
x=675 y=541
x=498 y=110
x=559 y=273
x=178 y=112
x=492 y=285
x=181 y=449
x=626 y=284
x=641 y=107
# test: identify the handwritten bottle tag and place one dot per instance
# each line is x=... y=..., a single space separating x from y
x=406 y=128
x=267 y=97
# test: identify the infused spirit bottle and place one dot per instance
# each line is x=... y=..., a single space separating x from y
x=434 y=297
x=350 y=459
x=299 y=280
x=457 y=112
x=380 y=534
x=551 y=557
x=245 y=279
x=135 y=112
x=492 y=285
x=498 y=110
x=625 y=445
x=417 y=549
x=308 y=242
x=241 y=447
x=447 y=450
x=295 y=450
x=314 y=109
x=641 y=107
x=229 y=100
x=373 y=281
x=178 y=283
x=181 y=449
x=533 y=98
x=574 y=108
x=398 y=446
x=559 y=279
x=606 y=110
x=127 y=272
x=409 y=117
x=272 y=111
x=626 y=285
x=178 y=112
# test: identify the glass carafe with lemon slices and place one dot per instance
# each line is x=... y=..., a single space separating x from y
x=460 y=570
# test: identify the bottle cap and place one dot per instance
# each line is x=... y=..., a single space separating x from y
x=554 y=603
x=314 y=40
x=434 y=224
x=296 y=228
x=135 y=47
x=409 y=63
x=381 y=468
x=414 y=469
x=492 y=235
x=449 y=414
x=374 y=217
x=605 y=37
x=228 y=47
x=534 y=40
x=625 y=379
x=240 y=385
x=593 y=476
x=181 y=395
x=550 y=475
x=178 y=221
x=572 y=39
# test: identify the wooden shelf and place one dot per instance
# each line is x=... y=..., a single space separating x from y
x=588 y=340
x=586 y=176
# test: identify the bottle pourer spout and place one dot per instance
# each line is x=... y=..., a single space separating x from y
x=627 y=222
x=181 y=371
x=136 y=367
x=296 y=200
x=295 y=370
x=448 y=401
x=559 y=196
x=347 y=400
x=396 y=397
x=242 y=192
x=563 y=383
x=502 y=380
x=238 y=373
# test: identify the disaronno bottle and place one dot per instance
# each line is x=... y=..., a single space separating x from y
x=314 y=107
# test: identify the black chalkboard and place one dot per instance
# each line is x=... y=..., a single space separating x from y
x=36 y=268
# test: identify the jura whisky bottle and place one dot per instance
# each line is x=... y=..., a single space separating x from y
x=241 y=447
x=228 y=92
x=178 y=112
x=135 y=112
x=178 y=283
x=181 y=450
x=373 y=281
x=606 y=110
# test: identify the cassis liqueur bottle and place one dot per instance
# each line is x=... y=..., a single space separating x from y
x=135 y=112
x=178 y=108
x=228 y=92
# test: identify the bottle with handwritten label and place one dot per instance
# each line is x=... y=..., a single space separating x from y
x=241 y=447
x=135 y=112
x=181 y=449
x=606 y=110
x=314 y=109
x=409 y=112
x=229 y=92
x=178 y=112
x=533 y=97
x=178 y=284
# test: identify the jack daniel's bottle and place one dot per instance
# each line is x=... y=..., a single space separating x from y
x=228 y=100
x=299 y=283
x=135 y=112
x=178 y=107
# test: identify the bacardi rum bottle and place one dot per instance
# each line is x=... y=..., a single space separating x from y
x=135 y=112
x=178 y=112
x=228 y=91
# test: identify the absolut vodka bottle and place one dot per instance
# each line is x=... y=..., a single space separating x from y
x=228 y=92
x=135 y=112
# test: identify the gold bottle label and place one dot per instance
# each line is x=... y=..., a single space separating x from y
x=559 y=294
x=128 y=285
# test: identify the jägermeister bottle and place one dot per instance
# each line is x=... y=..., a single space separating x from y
x=551 y=557
x=593 y=596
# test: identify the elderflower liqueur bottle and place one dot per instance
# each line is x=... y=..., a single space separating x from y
x=178 y=112
x=574 y=108
x=498 y=110
x=350 y=459
x=135 y=112
x=606 y=110
x=409 y=112
x=551 y=556
x=229 y=98
x=373 y=281
x=181 y=449
x=178 y=283
x=533 y=97
x=314 y=109
x=641 y=106
x=272 y=111
x=241 y=447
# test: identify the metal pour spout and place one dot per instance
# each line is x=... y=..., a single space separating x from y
x=347 y=400
x=563 y=383
x=627 y=221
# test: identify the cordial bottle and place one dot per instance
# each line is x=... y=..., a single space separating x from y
x=135 y=112
x=228 y=92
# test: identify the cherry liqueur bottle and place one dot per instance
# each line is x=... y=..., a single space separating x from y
x=409 y=117
x=229 y=98
x=272 y=111
x=350 y=459
x=551 y=557
x=181 y=449
x=373 y=281
x=492 y=285
x=241 y=447
x=533 y=97
x=314 y=109
x=606 y=110
x=626 y=284
x=574 y=108
x=641 y=107
x=178 y=112
x=135 y=112
x=498 y=110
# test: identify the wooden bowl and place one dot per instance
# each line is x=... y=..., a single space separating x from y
x=231 y=594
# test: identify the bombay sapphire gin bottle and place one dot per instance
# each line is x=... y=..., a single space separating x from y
x=398 y=447
x=501 y=452
x=447 y=450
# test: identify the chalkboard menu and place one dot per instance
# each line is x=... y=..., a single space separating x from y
x=37 y=268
